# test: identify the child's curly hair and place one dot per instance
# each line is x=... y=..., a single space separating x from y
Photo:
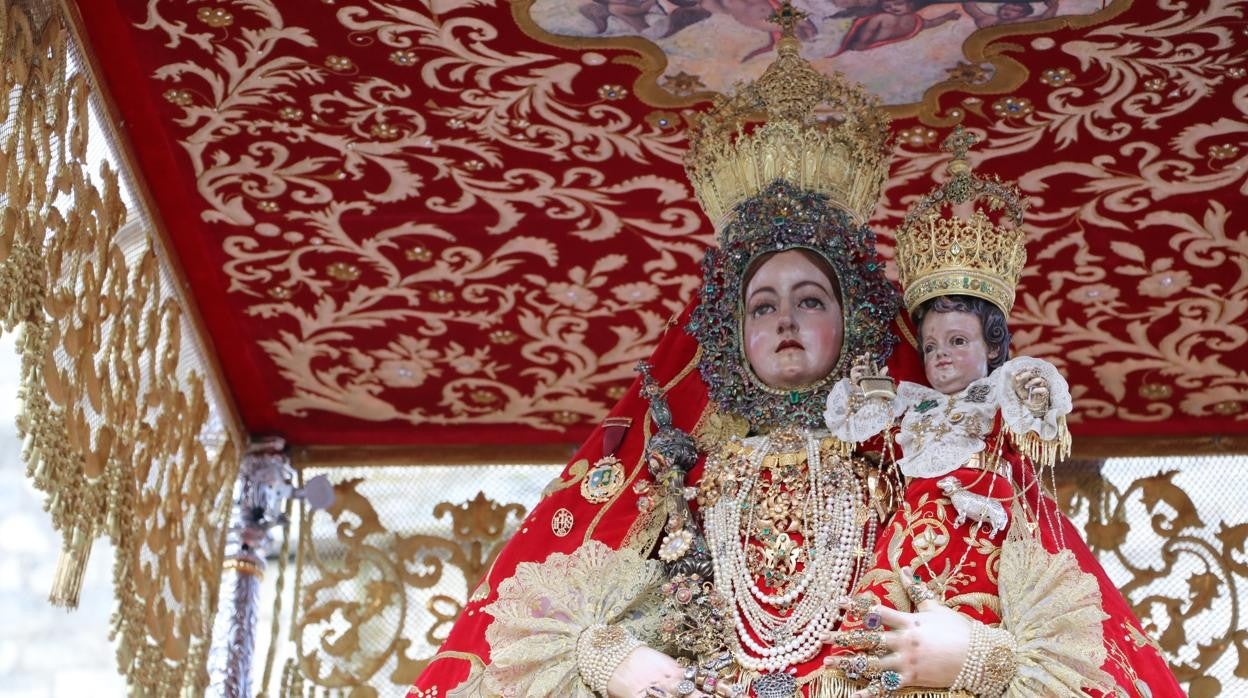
x=991 y=319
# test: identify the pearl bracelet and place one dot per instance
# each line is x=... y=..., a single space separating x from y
x=990 y=662
x=599 y=651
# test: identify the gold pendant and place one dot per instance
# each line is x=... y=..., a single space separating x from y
x=604 y=480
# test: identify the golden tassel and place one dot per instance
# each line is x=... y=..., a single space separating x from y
x=1045 y=453
x=70 y=568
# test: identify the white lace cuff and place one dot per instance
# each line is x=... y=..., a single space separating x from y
x=1048 y=426
x=854 y=419
x=544 y=608
x=1053 y=610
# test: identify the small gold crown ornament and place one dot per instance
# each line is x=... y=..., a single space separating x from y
x=939 y=255
x=818 y=132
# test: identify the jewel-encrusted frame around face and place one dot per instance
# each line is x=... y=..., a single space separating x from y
x=783 y=217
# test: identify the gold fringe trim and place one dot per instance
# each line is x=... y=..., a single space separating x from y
x=1045 y=453
x=835 y=685
x=117 y=431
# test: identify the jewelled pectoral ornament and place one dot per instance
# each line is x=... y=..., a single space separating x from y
x=604 y=480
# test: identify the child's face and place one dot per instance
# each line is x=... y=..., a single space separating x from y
x=954 y=351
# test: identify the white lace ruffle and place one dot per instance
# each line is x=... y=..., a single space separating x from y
x=941 y=454
x=856 y=426
x=544 y=607
x=1016 y=415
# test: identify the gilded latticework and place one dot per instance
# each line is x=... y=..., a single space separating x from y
x=1173 y=538
x=384 y=572
x=121 y=430
x=1167 y=532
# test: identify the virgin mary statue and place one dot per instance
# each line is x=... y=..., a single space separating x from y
x=713 y=538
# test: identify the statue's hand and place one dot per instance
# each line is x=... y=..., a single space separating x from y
x=864 y=367
x=646 y=672
x=926 y=648
x=861 y=369
x=1032 y=390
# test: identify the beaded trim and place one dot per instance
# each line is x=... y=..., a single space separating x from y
x=599 y=651
x=990 y=662
x=784 y=217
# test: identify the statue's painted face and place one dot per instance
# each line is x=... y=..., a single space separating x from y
x=793 y=323
x=954 y=350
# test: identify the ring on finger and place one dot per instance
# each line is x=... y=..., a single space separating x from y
x=655 y=692
x=868 y=641
x=885 y=685
x=685 y=687
x=919 y=592
x=855 y=666
x=861 y=605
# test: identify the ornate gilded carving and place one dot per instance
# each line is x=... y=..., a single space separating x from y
x=121 y=431
x=1179 y=565
x=376 y=587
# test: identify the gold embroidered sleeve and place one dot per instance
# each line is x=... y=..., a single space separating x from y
x=544 y=607
x=1053 y=610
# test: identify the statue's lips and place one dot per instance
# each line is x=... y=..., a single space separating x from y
x=789 y=344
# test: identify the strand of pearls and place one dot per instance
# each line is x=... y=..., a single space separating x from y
x=778 y=641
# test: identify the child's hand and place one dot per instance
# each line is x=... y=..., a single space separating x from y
x=864 y=367
x=1032 y=390
x=861 y=369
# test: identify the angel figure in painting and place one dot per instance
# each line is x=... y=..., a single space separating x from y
x=707 y=550
x=884 y=22
x=1009 y=13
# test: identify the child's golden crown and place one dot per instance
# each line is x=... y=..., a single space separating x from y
x=941 y=254
x=821 y=133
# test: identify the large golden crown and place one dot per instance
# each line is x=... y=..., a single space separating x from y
x=821 y=133
x=939 y=255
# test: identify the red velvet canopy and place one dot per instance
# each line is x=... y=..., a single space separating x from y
x=464 y=221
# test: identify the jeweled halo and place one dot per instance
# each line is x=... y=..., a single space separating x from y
x=784 y=217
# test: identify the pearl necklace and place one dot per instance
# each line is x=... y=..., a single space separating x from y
x=787 y=640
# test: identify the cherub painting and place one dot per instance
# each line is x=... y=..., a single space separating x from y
x=881 y=22
x=898 y=49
